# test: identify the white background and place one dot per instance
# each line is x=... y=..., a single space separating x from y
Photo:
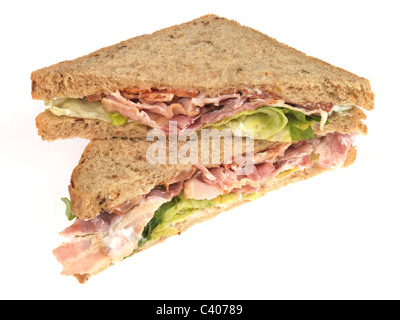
x=336 y=236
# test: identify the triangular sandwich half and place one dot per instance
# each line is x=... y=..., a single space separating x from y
x=207 y=73
x=126 y=200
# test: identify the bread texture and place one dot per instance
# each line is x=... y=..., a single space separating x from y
x=211 y=54
x=52 y=127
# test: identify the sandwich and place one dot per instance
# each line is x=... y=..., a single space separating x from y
x=207 y=73
x=290 y=117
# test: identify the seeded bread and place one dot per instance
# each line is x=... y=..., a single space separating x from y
x=211 y=54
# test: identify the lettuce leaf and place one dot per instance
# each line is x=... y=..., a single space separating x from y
x=299 y=125
x=78 y=108
x=84 y=109
x=117 y=119
x=260 y=123
x=68 y=209
x=176 y=210
x=270 y=123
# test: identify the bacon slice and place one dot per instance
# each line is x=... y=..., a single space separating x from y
x=108 y=238
x=115 y=102
x=157 y=109
x=333 y=148
x=210 y=183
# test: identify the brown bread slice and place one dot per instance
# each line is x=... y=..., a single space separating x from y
x=211 y=54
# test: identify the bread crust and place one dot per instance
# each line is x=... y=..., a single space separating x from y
x=211 y=54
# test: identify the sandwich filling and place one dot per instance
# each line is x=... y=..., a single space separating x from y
x=255 y=113
x=97 y=243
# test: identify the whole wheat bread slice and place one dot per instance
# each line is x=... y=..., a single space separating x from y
x=210 y=54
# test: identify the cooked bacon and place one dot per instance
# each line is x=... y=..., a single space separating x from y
x=181 y=176
x=271 y=154
x=101 y=223
x=156 y=109
x=297 y=150
x=95 y=97
x=156 y=97
x=195 y=188
x=100 y=250
x=190 y=93
x=228 y=111
x=324 y=106
x=206 y=173
x=201 y=100
x=108 y=238
x=83 y=255
x=115 y=102
x=333 y=148
x=137 y=90
x=168 y=111
x=124 y=207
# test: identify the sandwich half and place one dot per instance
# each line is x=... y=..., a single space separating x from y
x=299 y=115
x=207 y=73
x=122 y=203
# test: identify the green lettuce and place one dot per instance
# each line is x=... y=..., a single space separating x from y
x=68 y=209
x=84 y=109
x=78 y=108
x=261 y=123
x=177 y=210
x=298 y=127
x=117 y=119
x=270 y=123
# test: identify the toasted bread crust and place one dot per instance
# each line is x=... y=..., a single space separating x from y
x=211 y=54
